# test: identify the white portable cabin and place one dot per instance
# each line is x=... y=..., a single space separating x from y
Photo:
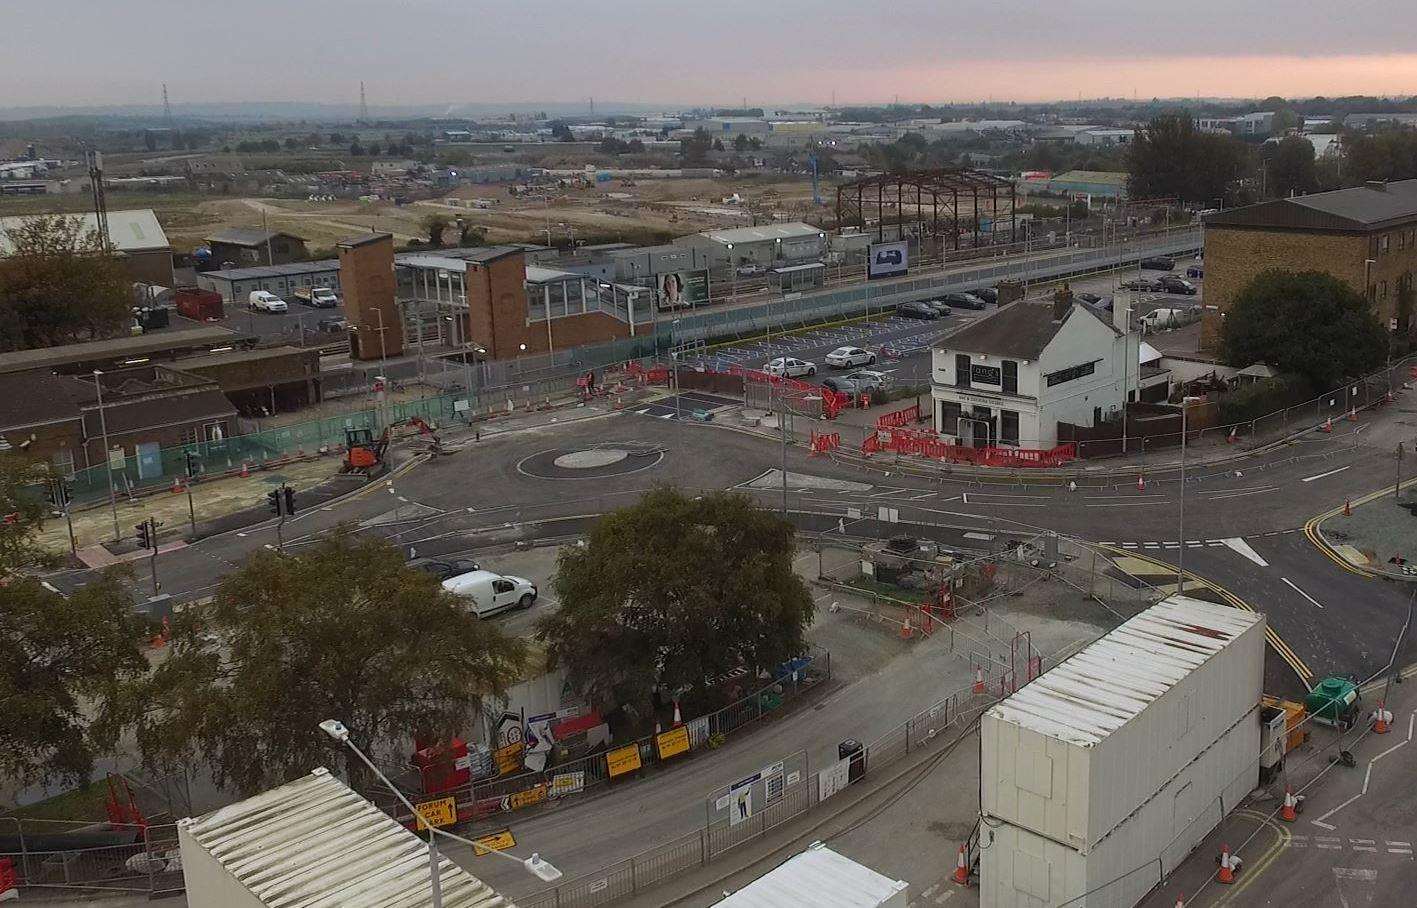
x=823 y=879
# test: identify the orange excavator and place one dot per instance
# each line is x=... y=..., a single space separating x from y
x=364 y=453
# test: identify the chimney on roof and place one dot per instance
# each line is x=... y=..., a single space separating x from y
x=1062 y=302
x=1377 y=185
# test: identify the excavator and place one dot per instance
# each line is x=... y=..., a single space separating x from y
x=364 y=453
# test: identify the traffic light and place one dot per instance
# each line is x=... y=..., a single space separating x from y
x=273 y=501
x=145 y=535
x=289 y=501
x=193 y=464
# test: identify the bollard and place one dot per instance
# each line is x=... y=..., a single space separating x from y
x=1327 y=427
x=978 y=680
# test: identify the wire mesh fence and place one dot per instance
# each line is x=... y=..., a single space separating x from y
x=60 y=855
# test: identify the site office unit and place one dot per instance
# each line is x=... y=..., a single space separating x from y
x=1133 y=749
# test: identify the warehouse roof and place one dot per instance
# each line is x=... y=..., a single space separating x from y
x=1106 y=177
x=1097 y=691
x=135 y=230
x=1358 y=208
x=314 y=843
x=765 y=232
x=265 y=271
x=1019 y=330
x=819 y=877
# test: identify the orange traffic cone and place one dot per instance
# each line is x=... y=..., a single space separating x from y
x=176 y=486
x=1141 y=483
x=1227 y=873
x=1180 y=900
x=1327 y=427
x=979 y=680
x=961 y=869
x=905 y=629
x=245 y=469
x=678 y=717
x=1286 y=813
x=1234 y=433
x=1381 y=718
x=1348 y=508
x=1352 y=414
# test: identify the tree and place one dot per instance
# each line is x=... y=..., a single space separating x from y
x=1170 y=158
x=375 y=150
x=344 y=631
x=561 y=132
x=740 y=144
x=1290 y=167
x=58 y=286
x=673 y=593
x=291 y=143
x=336 y=138
x=355 y=149
x=149 y=140
x=435 y=225
x=1305 y=323
x=62 y=660
x=695 y=148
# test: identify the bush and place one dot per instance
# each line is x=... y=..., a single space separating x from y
x=1262 y=398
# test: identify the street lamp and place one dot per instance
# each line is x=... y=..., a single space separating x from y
x=108 y=465
x=1181 y=523
x=534 y=865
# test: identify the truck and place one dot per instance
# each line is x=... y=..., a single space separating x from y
x=317 y=297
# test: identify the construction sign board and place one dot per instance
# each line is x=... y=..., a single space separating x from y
x=564 y=783
x=509 y=758
x=440 y=812
x=494 y=841
x=833 y=779
x=673 y=742
x=622 y=760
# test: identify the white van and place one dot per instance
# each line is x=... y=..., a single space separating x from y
x=490 y=593
x=1162 y=319
x=266 y=301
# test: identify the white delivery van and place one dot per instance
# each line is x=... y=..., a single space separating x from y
x=489 y=592
x=1162 y=319
x=266 y=301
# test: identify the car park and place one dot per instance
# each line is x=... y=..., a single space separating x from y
x=962 y=301
x=1170 y=283
x=787 y=367
x=266 y=301
x=1157 y=263
x=918 y=310
x=488 y=593
x=845 y=357
x=444 y=567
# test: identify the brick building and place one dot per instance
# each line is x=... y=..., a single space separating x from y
x=366 y=265
x=261 y=381
x=1365 y=236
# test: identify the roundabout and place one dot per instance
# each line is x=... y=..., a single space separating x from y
x=591 y=462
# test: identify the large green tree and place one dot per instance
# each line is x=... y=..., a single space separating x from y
x=676 y=592
x=1170 y=158
x=63 y=660
x=343 y=631
x=58 y=286
x=1306 y=323
x=1290 y=167
x=696 y=147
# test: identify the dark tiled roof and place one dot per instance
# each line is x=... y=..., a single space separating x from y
x=1019 y=330
x=161 y=411
x=248 y=236
x=364 y=239
x=1357 y=208
x=37 y=396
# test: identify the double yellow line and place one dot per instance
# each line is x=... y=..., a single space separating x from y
x=1260 y=864
x=1311 y=532
x=1291 y=658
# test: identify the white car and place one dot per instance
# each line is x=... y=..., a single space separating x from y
x=788 y=367
x=490 y=593
x=846 y=357
x=871 y=380
x=266 y=301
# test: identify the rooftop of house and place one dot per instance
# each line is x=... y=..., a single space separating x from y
x=1019 y=330
x=249 y=236
x=1373 y=205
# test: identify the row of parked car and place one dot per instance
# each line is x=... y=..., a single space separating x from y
x=861 y=381
x=941 y=306
x=314 y=297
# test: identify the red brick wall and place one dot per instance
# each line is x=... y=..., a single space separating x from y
x=367 y=279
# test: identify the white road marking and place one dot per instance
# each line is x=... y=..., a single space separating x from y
x=49 y=586
x=1243 y=549
x=1322 y=475
x=929 y=892
x=243 y=535
x=1401 y=844
x=944 y=896
x=1289 y=583
x=1363 y=841
x=271 y=547
x=1353 y=873
x=1239 y=494
x=1399 y=851
x=1364 y=848
x=404 y=500
x=1329 y=845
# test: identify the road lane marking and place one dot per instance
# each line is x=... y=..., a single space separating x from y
x=1223 y=495
x=1289 y=583
x=1322 y=475
x=1244 y=550
x=1352 y=873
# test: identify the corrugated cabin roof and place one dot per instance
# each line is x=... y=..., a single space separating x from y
x=1101 y=688
x=818 y=877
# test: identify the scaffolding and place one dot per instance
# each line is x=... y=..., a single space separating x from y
x=959 y=206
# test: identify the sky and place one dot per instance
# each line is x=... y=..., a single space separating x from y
x=709 y=52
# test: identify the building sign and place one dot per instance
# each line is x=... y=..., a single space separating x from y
x=509 y=758
x=564 y=783
x=441 y=812
x=673 y=742
x=623 y=760
x=525 y=798
x=116 y=459
x=887 y=259
x=681 y=289
x=834 y=778
x=986 y=375
x=494 y=841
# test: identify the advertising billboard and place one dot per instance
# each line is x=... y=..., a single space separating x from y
x=887 y=259
x=680 y=289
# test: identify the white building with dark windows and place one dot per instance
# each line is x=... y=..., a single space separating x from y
x=1011 y=377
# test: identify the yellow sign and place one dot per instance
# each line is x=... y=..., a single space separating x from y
x=509 y=758
x=673 y=742
x=623 y=760
x=496 y=841
x=440 y=812
x=525 y=798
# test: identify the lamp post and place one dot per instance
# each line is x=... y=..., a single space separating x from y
x=1181 y=522
x=534 y=865
x=103 y=429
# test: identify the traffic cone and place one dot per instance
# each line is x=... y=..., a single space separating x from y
x=176 y=486
x=678 y=717
x=1327 y=427
x=1286 y=813
x=245 y=469
x=1352 y=414
x=1234 y=432
x=1381 y=718
x=1180 y=900
x=1226 y=874
x=1348 y=508
x=979 y=680
x=1141 y=483
x=905 y=629
x=961 y=869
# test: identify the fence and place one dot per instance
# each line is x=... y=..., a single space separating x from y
x=927 y=444
x=484 y=798
x=51 y=854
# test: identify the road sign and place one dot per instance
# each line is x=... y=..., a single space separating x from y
x=623 y=760
x=525 y=798
x=672 y=742
x=440 y=812
x=564 y=783
x=493 y=841
x=116 y=459
x=509 y=758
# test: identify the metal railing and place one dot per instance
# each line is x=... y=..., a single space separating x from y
x=147 y=862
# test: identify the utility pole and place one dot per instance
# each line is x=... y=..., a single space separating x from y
x=192 y=470
x=167 y=113
x=1396 y=489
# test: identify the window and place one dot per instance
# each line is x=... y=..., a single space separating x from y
x=1008 y=427
x=962 y=370
x=949 y=417
x=1010 y=377
x=1070 y=373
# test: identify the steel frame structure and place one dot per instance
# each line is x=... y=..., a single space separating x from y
x=936 y=193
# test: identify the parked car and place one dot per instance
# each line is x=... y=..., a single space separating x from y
x=1157 y=263
x=842 y=384
x=1170 y=283
x=870 y=380
x=1162 y=319
x=317 y=297
x=1142 y=285
x=845 y=357
x=333 y=325
x=444 y=568
x=266 y=301
x=917 y=310
x=938 y=305
x=788 y=367
x=489 y=593
x=989 y=295
x=1101 y=303
x=962 y=301
x=1196 y=272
